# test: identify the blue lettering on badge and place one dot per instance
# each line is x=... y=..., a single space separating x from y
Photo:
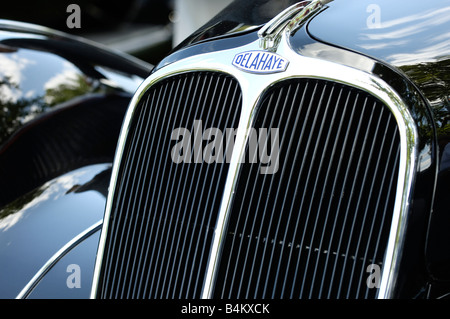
x=260 y=62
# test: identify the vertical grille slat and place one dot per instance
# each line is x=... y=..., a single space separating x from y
x=320 y=191
x=311 y=229
x=365 y=181
x=291 y=176
x=277 y=192
x=351 y=210
x=335 y=185
x=143 y=230
x=122 y=189
x=198 y=108
x=390 y=187
x=162 y=217
x=377 y=201
x=170 y=182
x=156 y=193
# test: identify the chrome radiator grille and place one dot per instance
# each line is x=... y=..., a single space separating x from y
x=307 y=231
x=311 y=229
x=163 y=217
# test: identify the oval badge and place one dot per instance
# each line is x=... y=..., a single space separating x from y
x=260 y=62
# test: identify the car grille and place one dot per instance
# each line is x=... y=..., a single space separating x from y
x=162 y=218
x=309 y=230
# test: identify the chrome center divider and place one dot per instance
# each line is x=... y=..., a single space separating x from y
x=253 y=86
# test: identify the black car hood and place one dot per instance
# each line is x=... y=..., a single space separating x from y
x=397 y=32
x=400 y=32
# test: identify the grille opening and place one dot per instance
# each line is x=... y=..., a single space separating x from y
x=334 y=191
x=163 y=213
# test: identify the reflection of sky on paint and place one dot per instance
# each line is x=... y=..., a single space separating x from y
x=53 y=190
x=409 y=25
x=28 y=74
x=36 y=229
x=25 y=71
x=412 y=30
x=403 y=35
x=68 y=76
x=12 y=68
x=35 y=77
x=112 y=78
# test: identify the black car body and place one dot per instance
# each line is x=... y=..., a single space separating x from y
x=285 y=150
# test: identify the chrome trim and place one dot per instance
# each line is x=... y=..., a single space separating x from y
x=253 y=87
x=293 y=16
x=56 y=257
x=269 y=34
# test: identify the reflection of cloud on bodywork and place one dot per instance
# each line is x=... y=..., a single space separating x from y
x=52 y=190
x=410 y=32
x=28 y=90
x=384 y=45
x=413 y=24
x=427 y=54
x=10 y=220
x=67 y=76
x=68 y=82
x=11 y=73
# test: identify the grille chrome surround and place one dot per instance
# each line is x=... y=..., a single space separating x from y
x=253 y=88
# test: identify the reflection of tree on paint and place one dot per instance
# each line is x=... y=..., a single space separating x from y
x=72 y=87
x=433 y=80
x=14 y=113
x=18 y=108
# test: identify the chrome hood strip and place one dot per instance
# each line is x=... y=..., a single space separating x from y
x=56 y=257
x=253 y=87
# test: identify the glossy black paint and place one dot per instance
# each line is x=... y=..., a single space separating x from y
x=398 y=32
x=35 y=226
x=61 y=282
x=62 y=103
